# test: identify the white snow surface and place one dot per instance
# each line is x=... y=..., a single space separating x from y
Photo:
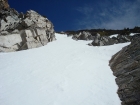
x=65 y=72
x=132 y=34
x=115 y=35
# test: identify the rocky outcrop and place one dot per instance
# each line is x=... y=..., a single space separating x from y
x=126 y=67
x=20 y=31
x=82 y=36
x=106 y=40
x=8 y=19
x=105 y=32
x=103 y=37
x=4 y=4
x=101 y=40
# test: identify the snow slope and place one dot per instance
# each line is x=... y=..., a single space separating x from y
x=132 y=34
x=115 y=35
x=65 y=72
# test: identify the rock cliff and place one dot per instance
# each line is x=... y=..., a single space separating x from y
x=126 y=67
x=20 y=31
x=4 y=4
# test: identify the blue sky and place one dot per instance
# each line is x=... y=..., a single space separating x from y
x=84 y=14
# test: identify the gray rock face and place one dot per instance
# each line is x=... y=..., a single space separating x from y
x=33 y=38
x=126 y=67
x=10 y=40
x=99 y=40
x=102 y=41
x=9 y=19
x=34 y=20
x=106 y=40
x=20 y=31
x=123 y=38
x=83 y=36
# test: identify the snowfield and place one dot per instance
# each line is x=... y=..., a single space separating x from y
x=65 y=72
x=115 y=35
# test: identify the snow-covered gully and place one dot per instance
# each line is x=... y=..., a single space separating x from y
x=65 y=72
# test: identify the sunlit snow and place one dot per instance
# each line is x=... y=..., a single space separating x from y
x=64 y=72
x=115 y=35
